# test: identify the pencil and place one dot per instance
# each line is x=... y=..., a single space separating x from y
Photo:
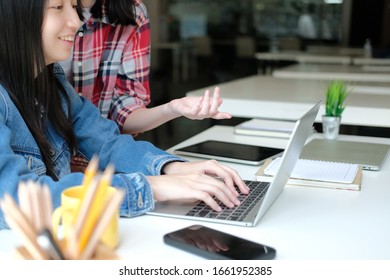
x=95 y=207
x=24 y=200
x=90 y=171
x=89 y=174
x=110 y=209
x=85 y=205
x=46 y=242
x=18 y=222
x=48 y=207
x=71 y=246
x=34 y=194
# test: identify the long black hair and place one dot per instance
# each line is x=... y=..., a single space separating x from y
x=37 y=97
x=118 y=11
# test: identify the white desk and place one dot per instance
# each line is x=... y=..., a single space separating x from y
x=376 y=68
x=277 y=98
x=331 y=72
x=277 y=56
x=304 y=223
x=353 y=52
x=267 y=59
x=304 y=57
x=370 y=61
x=325 y=59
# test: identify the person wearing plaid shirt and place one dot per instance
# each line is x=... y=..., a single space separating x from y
x=111 y=65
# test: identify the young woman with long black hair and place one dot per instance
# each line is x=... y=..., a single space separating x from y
x=43 y=121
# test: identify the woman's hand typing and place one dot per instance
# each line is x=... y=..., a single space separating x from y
x=191 y=181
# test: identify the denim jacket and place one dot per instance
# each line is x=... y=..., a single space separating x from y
x=20 y=158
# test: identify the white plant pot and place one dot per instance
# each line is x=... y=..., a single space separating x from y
x=330 y=126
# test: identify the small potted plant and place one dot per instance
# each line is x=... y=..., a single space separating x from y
x=336 y=93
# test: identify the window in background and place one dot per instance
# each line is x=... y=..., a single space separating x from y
x=309 y=19
x=314 y=20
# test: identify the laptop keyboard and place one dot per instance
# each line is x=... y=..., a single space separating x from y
x=238 y=213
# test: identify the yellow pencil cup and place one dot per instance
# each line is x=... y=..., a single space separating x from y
x=70 y=200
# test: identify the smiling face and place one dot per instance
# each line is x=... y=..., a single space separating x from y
x=59 y=28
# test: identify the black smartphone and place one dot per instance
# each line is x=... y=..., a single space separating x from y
x=212 y=244
x=233 y=152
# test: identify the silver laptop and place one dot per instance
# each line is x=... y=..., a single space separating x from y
x=262 y=195
x=369 y=155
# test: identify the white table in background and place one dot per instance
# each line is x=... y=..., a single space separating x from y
x=300 y=56
x=267 y=60
x=331 y=72
x=287 y=99
x=371 y=61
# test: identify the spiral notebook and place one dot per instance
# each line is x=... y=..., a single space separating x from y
x=317 y=173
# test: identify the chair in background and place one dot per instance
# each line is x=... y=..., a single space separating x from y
x=202 y=46
x=282 y=52
x=201 y=53
x=245 y=61
x=245 y=47
x=290 y=43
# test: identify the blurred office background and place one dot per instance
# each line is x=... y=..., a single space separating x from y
x=197 y=43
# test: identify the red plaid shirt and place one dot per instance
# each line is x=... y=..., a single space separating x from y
x=111 y=65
